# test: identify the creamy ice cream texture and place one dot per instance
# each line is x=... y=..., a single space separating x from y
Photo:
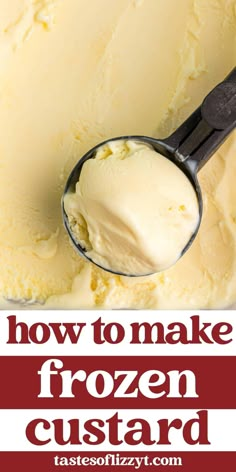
x=132 y=209
x=74 y=73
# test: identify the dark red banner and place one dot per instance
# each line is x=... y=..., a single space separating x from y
x=214 y=376
x=102 y=461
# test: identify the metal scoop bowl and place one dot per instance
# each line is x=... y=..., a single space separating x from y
x=189 y=147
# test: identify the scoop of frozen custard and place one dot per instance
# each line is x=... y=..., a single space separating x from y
x=133 y=210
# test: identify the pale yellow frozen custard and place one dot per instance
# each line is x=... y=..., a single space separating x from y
x=132 y=209
x=74 y=73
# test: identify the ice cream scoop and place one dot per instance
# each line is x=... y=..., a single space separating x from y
x=188 y=148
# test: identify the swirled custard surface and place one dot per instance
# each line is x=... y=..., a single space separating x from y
x=74 y=73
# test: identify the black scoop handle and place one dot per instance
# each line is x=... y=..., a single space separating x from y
x=207 y=128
